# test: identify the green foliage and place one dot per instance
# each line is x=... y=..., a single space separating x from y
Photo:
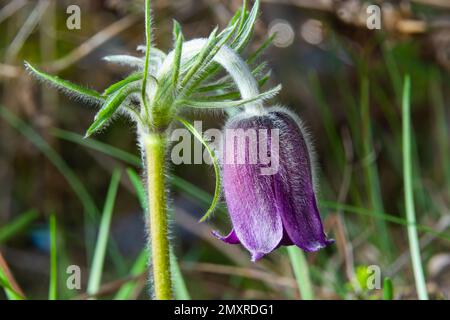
x=301 y=271
x=388 y=289
x=11 y=294
x=181 y=292
x=112 y=104
x=362 y=161
x=123 y=83
x=18 y=225
x=68 y=87
x=184 y=84
x=409 y=195
x=53 y=286
x=215 y=162
x=98 y=260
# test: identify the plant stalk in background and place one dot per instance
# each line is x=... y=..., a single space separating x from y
x=414 y=246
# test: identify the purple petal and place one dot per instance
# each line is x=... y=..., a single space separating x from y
x=286 y=240
x=251 y=199
x=294 y=188
x=303 y=225
x=231 y=238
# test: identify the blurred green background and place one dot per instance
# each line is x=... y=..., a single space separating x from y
x=344 y=80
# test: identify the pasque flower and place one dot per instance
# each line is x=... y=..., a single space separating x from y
x=266 y=210
x=270 y=210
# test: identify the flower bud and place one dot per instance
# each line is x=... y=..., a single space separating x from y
x=280 y=208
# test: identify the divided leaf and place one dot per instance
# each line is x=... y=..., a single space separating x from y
x=119 y=85
x=230 y=104
x=215 y=162
x=109 y=108
x=178 y=37
x=67 y=86
x=246 y=30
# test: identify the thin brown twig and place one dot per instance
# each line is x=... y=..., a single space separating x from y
x=434 y=3
x=92 y=43
x=140 y=286
x=327 y=5
x=357 y=15
x=9 y=71
x=186 y=221
x=110 y=287
x=322 y=5
x=11 y=8
x=26 y=30
x=242 y=272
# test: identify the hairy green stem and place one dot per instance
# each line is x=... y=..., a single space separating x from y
x=154 y=148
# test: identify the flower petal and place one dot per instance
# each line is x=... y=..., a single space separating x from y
x=294 y=187
x=302 y=223
x=250 y=197
x=231 y=238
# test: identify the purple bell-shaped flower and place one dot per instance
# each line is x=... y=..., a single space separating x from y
x=271 y=203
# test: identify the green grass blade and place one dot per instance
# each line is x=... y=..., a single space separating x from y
x=380 y=215
x=90 y=209
x=393 y=70
x=388 y=289
x=414 y=246
x=139 y=267
x=301 y=272
x=53 y=286
x=181 y=292
x=17 y=225
x=103 y=235
x=371 y=171
x=67 y=86
x=442 y=126
x=11 y=294
x=97 y=145
x=180 y=289
x=136 y=181
x=36 y=139
x=331 y=130
x=205 y=198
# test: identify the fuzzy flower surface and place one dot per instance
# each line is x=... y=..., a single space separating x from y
x=270 y=210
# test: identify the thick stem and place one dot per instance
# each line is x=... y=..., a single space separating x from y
x=154 y=148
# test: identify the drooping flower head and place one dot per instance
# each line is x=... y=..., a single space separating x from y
x=279 y=207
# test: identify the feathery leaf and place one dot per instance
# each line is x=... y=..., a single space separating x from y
x=215 y=162
x=119 y=85
x=110 y=107
x=230 y=104
x=67 y=86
